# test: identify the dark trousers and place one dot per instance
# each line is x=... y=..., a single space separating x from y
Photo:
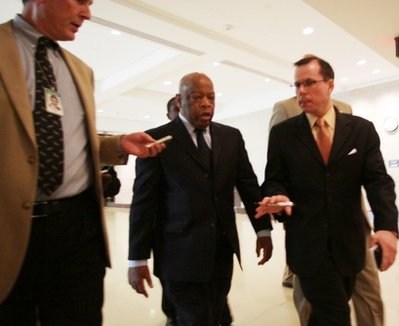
x=167 y=307
x=61 y=281
x=226 y=319
x=169 y=310
x=328 y=292
x=202 y=303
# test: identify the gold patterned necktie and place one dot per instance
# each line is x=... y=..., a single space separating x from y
x=323 y=139
x=48 y=126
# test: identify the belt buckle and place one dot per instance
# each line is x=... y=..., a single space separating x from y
x=44 y=203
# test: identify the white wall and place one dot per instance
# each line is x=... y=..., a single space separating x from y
x=374 y=103
x=254 y=128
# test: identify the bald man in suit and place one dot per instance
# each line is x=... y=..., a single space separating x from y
x=366 y=296
x=183 y=208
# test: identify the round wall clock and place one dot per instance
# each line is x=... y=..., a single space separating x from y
x=390 y=124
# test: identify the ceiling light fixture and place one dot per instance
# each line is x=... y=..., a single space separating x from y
x=228 y=27
x=361 y=62
x=115 y=32
x=307 y=30
x=376 y=71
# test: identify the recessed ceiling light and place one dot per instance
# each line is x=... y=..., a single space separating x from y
x=100 y=110
x=361 y=62
x=219 y=94
x=167 y=82
x=228 y=27
x=307 y=30
x=147 y=116
x=216 y=63
x=344 y=79
x=376 y=71
x=267 y=80
x=115 y=32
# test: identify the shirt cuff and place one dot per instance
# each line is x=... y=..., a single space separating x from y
x=137 y=263
x=264 y=233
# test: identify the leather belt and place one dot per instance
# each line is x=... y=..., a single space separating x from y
x=45 y=208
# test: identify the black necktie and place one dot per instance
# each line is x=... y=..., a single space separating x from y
x=203 y=149
x=48 y=127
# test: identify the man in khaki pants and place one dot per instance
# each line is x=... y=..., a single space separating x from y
x=366 y=296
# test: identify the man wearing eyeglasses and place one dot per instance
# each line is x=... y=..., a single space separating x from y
x=366 y=297
x=325 y=237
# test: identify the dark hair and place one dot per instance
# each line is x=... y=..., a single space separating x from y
x=325 y=68
x=171 y=104
x=24 y=1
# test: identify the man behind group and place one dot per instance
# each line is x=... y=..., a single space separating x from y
x=172 y=108
x=52 y=231
x=323 y=175
x=183 y=208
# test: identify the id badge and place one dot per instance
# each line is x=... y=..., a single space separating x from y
x=53 y=102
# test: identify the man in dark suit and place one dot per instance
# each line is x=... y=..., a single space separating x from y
x=325 y=236
x=366 y=296
x=183 y=208
x=226 y=319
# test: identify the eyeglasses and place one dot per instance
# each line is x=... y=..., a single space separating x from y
x=306 y=83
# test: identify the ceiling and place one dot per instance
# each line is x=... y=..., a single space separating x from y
x=139 y=50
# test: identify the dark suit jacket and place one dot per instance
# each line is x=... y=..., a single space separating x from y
x=177 y=202
x=328 y=215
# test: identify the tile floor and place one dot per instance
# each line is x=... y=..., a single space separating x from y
x=256 y=298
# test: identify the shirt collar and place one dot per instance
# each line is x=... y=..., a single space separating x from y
x=190 y=128
x=25 y=31
x=329 y=118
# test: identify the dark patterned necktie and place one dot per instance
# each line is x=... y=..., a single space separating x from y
x=323 y=139
x=203 y=149
x=48 y=127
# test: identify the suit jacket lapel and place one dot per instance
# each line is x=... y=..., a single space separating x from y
x=13 y=78
x=181 y=135
x=341 y=134
x=217 y=143
x=305 y=135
